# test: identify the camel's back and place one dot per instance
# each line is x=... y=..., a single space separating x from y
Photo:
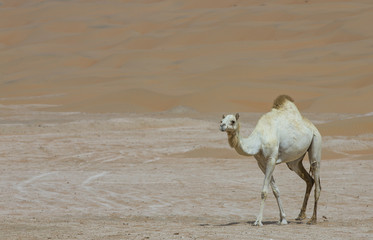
x=287 y=127
x=284 y=115
x=287 y=113
x=281 y=100
x=283 y=112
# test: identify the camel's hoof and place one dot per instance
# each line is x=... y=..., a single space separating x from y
x=258 y=223
x=301 y=217
x=283 y=222
x=312 y=221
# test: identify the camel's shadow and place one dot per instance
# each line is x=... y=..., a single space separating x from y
x=250 y=223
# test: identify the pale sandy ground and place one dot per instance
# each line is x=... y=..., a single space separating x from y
x=109 y=115
x=164 y=176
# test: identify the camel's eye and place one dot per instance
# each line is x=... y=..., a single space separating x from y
x=233 y=122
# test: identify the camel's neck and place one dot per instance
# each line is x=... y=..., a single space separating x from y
x=247 y=147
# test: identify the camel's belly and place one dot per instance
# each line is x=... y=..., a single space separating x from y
x=294 y=150
x=294 y=141
x=284 y=158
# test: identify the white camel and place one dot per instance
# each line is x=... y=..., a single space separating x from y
x=282 y=135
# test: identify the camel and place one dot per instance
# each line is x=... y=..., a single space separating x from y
x=282 y=135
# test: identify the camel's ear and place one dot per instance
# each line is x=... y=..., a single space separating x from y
x=223 y=116
x=237 y=116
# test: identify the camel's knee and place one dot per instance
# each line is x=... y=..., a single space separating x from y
x=314 y=167
x=310 y=182
x=317 y=192
x=317 y=196
x=264 y=195
x=276 y=192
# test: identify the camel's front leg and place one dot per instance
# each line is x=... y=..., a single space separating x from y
x=276 y=192
x=268 y=175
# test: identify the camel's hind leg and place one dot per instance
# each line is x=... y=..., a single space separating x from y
x=299 y=169
x=314 y=154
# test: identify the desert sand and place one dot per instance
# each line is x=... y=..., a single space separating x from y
x=109 y=116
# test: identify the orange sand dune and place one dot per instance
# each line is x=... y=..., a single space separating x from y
x=348 y=127
x=211 y=56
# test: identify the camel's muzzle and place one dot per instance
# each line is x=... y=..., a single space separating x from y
x=223 y=127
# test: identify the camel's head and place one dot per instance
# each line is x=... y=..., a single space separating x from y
x=229 y=123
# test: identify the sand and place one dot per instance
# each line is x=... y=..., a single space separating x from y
x=109 y=116
x=164 y=176
x=149 y=56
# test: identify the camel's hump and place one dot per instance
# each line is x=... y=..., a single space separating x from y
x=280 y=100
